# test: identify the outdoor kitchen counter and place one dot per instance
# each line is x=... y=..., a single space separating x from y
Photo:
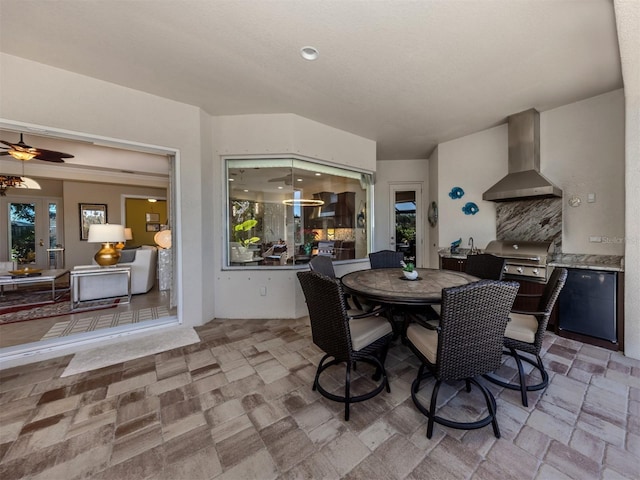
x=462 y=253
x=611 y=263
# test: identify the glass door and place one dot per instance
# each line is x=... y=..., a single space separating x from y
x=406 y=224
x=34 y=238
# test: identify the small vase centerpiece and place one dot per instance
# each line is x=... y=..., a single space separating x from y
x=409 y=271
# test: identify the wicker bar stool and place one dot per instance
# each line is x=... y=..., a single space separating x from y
x=524 y=333
x=344 y=338
x=485 y=265
x=466 y=344
x=386 y=259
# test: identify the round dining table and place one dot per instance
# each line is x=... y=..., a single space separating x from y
x=389 y=286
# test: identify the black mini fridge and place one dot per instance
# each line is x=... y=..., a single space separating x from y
x=587 y=304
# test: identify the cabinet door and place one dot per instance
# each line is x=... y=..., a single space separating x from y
x=455 y=264
x=345 y=210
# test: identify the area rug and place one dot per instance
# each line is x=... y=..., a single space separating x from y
x=130 y=349
x=105 y=320
x=17 y=306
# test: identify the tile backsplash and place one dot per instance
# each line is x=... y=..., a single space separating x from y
x=538 y=220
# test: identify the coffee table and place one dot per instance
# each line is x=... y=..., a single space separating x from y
x=45 y=276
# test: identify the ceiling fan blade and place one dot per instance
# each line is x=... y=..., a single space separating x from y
x=43 y=154
x=47 y=158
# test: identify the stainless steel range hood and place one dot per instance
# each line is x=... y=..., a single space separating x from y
x=524 y=179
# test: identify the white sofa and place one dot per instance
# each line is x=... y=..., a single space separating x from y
x=143 y=276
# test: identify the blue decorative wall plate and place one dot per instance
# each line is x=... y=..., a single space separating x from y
x=456 y=192
x=470 y=208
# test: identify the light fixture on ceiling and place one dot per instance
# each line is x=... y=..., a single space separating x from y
x=21 y=155
x=8 y=181
x=22 y=151
x=151 y=200
x=309 y=53
x=303 y=202
x=13 y=181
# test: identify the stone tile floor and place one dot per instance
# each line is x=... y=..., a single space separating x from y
x=239 y=405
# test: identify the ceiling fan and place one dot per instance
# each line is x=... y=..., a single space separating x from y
x=22 y=151
x=287 y=179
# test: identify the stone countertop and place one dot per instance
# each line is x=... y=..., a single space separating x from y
x=612 y=263
x=461 y=253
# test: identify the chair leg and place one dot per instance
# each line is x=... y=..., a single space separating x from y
x=318 y=371
x=347 y=388
x=521 y=377
x=381 y=355
x=522 y=385
x=491 y=406
x=432 y=408
x=416 y=383
x=468 y=385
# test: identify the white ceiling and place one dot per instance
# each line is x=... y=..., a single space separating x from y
x=408 y=74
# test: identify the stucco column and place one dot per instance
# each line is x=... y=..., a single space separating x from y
x=628 y=24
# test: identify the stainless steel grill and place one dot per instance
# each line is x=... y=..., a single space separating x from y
x=525 y=260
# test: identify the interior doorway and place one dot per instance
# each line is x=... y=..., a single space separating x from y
x=41 y=221
x=406 y=221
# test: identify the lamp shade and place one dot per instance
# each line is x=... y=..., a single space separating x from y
x=163 y=239
x=128 y=234
x=106 y=232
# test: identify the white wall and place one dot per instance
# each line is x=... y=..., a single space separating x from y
x=397 y=172
x=474 y=163
x=50 y=97
x=582 y=151
x=280 y=134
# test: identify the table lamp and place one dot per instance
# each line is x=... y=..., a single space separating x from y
x=107 y=234
x=128 y=235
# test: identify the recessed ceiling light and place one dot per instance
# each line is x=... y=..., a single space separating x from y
x=309 y=53
x=318 y=174
x=298 y=179
x=232 y=179
x=280 y=188
x=245 y=190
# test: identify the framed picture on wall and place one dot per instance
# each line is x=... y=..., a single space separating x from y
x=152 y=218
x=91 y=213
x=153 y=227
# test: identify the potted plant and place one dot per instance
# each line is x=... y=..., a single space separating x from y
x=309 y=236
x=409 y=271
x=241 y=230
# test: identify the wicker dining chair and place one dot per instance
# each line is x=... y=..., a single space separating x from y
x=324 y=265
x=485 y=265
x=525 y=332
x=344 y=338
x=386 y=259
x=465 y=345
x=482 y=265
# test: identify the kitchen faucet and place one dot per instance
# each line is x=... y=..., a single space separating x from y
x=470 y=244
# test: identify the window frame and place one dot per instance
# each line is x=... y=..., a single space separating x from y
x=367 y=208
